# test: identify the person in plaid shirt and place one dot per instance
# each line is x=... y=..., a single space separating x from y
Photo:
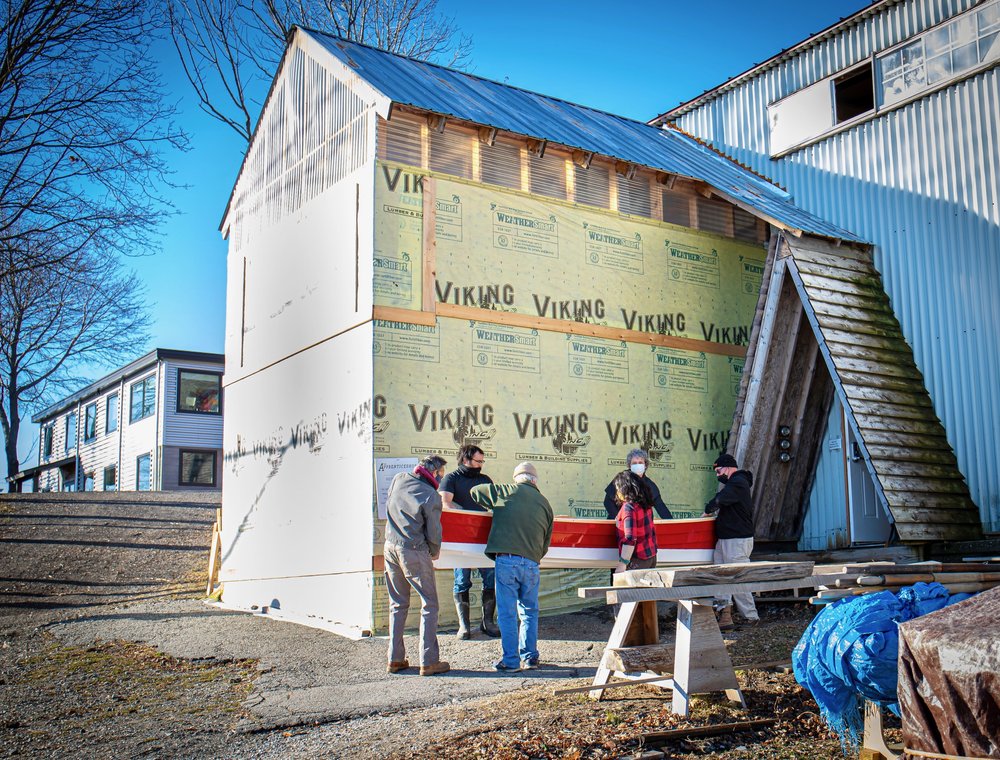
x=634 y=523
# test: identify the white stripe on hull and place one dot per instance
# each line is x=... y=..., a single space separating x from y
x=471 y=555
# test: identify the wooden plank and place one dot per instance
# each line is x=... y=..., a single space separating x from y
x=862 y=326
x=950 y=515
x=918 y=398
x=925 y=532
x=617 y=595
x=923 y=470
x=706 y=574
x=847 y=349
x=429 y=253
x=844 y=293
x=867 y=313
x=715 y=729
x=907 y=485
x=873 y=380
x=212 y=556
x=920 y=567
x=891 y=454
x=571 y=327
x=664 y=679
x=889 y=438
x=903 y=371
x=407 y=316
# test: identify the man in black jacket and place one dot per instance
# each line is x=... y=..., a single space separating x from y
x=733 y=532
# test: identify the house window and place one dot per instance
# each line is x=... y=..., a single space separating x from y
x=70 y=442
x=143 y=402
x=110 y=477
x=47 y=441
x=548 y=175
x=853 y=93
x=111 y=416
x=90 y=422
x=88 y=481
x=593 y=185
x=500 y=164
x=143 y=473
x=199 y=392
x=941 y=54
x=197 y=468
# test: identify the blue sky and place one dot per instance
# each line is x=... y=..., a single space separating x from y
x=637 y=61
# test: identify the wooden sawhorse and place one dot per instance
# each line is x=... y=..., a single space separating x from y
x=701 y=663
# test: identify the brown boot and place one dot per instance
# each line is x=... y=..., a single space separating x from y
x=397 y=665
x=726 y=619
x=438 y=667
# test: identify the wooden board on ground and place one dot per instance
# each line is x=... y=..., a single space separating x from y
x=705 y=574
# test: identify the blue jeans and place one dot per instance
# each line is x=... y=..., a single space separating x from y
x=517 y=597
x=463 y=578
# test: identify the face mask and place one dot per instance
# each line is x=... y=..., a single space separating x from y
x=638 y=468
x=723 y=478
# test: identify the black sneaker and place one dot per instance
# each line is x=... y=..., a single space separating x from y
x=501 y=668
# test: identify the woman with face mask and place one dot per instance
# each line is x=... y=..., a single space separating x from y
x=634 y=523
x=637 y=461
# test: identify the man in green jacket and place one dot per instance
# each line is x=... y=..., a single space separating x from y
x=519 y=538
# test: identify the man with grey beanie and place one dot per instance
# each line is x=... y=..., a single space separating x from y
x=519 y=538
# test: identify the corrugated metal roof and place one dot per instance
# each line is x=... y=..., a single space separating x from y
x=879 y=383
x=451 y=93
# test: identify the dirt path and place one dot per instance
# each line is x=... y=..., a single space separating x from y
x=106 y=648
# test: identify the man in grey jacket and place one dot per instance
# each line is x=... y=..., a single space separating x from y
x=412 y=542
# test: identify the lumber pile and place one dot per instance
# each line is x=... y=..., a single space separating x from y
x=957 y=577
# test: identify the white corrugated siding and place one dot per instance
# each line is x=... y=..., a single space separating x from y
x=921 y=182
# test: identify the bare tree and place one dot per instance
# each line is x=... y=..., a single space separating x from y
x=54 y=319
x=83 y=126
x=230 y=49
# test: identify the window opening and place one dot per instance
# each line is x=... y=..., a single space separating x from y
x=853 y=94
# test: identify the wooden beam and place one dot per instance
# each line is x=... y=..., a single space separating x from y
x=620 y=595
x=614 y=685
x=707 y=574
x=407 y=316
x=536 y=148
x=582 y=158
x=716 y=729
x=488 y=135
x=583 y=328
x=436 y=122
x=429 y=253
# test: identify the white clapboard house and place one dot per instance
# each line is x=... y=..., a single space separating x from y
x=153 y=425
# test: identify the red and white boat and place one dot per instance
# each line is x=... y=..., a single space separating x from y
x=576 y=542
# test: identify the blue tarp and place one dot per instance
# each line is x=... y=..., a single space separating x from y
x=848 y=653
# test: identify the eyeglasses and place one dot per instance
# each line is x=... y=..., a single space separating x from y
x=477 y=461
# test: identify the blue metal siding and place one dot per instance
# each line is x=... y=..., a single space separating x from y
x=921 y=182
x=825 y=524
x=480 y=101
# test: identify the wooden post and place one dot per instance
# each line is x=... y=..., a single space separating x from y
x=213 y=553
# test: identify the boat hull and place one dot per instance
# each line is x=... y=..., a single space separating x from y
x=576 y=542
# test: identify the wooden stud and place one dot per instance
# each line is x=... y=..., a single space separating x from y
x=436 y=122
x=213 y=554
x=702 y=662
x=429 y=244
x=663 y=680
x=582 y=158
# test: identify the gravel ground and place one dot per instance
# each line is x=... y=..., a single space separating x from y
x=106 y=647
